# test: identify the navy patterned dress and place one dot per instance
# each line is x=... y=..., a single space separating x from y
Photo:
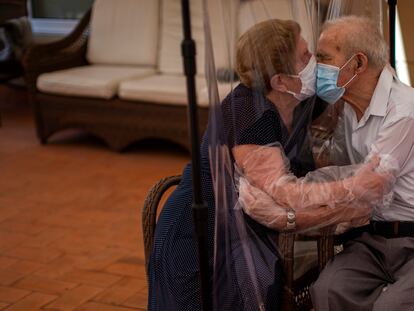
x=248 y=118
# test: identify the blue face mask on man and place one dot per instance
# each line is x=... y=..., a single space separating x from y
x=327 y=82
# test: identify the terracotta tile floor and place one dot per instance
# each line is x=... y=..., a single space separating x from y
x=70 y=216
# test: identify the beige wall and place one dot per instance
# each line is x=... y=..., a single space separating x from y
x=406 y=15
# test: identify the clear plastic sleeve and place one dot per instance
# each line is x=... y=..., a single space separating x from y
x=328 y=196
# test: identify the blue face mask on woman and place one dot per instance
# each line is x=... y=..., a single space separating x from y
x=327 y=82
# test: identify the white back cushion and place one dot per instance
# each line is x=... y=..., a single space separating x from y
x=255 y=11
x=124 y=32
x=170 y=59
x=223 y=33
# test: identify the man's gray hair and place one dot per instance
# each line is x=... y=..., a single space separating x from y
x=360 y=34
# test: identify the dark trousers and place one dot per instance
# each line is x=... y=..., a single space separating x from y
x=372 y=273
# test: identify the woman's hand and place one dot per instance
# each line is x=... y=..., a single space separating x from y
x=260 y=206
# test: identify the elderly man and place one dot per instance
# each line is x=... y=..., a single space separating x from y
x=375 y=270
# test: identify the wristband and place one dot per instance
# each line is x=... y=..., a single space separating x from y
x=291 y=219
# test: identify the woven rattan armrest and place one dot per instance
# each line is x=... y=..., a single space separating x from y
x=149 y=212
x=61 y=54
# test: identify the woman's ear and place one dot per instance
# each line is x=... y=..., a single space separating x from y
x=277 y=83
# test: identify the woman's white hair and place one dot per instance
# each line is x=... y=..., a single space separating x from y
x=360 y=34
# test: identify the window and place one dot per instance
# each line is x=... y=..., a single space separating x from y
x=57 y=17
x=401 y=63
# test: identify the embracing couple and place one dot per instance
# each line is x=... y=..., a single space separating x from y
x=370 y=182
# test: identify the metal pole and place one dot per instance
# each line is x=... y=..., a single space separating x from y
x=199 y=207
x=392 y=4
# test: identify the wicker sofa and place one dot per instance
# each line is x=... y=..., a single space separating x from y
x=119 y=74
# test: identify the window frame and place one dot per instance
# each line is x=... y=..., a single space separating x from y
x=50 y=26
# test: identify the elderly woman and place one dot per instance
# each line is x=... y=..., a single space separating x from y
x=277 y=74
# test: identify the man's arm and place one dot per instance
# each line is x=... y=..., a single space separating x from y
x=396 y=142
x=267 y=169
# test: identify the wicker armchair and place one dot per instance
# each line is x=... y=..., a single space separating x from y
x=15 y=34
x=117 y=122
x=296 y=294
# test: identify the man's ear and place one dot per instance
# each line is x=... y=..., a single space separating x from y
x=362 y=63
x=277 y=83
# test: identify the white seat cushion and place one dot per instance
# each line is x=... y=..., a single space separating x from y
x=166 y=89
x=163 y=89
x=90 y=81
x=124 y=32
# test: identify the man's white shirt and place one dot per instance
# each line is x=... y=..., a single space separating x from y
x=387 y=128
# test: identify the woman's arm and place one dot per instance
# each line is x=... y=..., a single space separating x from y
x=267 y=169
x=261 y=207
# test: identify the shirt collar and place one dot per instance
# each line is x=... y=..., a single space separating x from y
x=379 y=99
x=381 y=95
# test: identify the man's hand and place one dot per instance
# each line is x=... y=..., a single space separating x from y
x=370 y=183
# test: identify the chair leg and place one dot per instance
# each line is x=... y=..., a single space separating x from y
x=325 y=250
x=286 y=248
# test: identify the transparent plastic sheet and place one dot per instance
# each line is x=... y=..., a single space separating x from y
x=332 y=195
x=246 y=267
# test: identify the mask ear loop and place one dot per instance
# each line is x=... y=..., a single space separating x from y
x=347 y=62
x=291 y=92
x=350 y=80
